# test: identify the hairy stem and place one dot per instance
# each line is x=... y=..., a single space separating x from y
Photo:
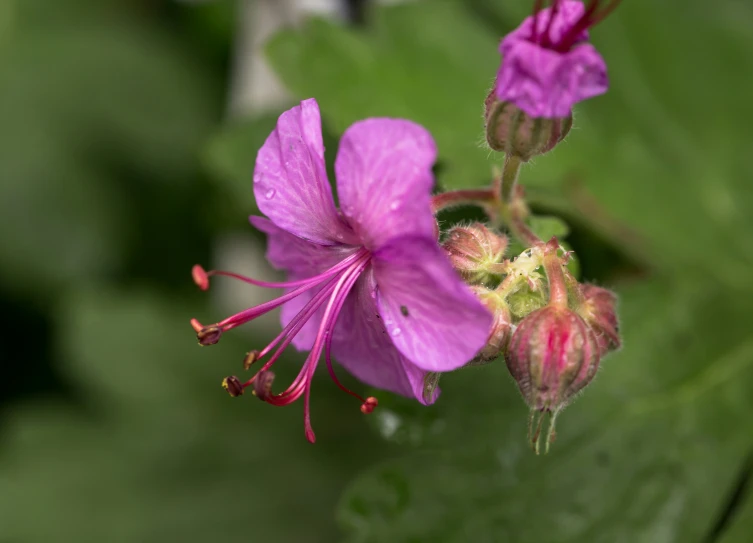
x=556 y=279
x=446 y=200
x=509 y=178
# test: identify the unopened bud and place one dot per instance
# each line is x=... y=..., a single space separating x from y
x=233 y=386
x=598 y=309
x=209 y=335
x=512 y=131
x=552 y=355
x=501 y=328
x=263 y=384
x=473 y=249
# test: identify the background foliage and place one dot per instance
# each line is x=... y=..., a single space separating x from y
x=117 y=173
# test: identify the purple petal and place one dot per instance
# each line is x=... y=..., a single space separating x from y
x=384 y=179
x=431 y=315
x=568 y=13
x=290 y=179
x=298 y=256
x=545 y=83
x=361 y=344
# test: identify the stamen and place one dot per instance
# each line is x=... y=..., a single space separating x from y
x=250 y=358
x=587 y=20
x=546 y=38
x=369 y=405
x=196 y=325
x=303 y=315
x=338 y=282
x=209 y=335
x=200 y=277
x=536 y=9
x=604 y=13
x=263 y=385
x=233 y=386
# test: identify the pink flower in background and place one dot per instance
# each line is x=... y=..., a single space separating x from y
x=367 y=284
x=548 y=64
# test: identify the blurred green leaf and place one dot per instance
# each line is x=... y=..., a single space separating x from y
x=741 y=523
x=405 y=64
x=230 y=157
x=88 y=98
x=161 y=452
x=648 y=454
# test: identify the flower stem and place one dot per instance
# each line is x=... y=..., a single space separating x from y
x=556 y=278
x=515 y=216
x=513 y=210
x=509 y=178
x=446 y=200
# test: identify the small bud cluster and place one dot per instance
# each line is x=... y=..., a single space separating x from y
x=551 y=330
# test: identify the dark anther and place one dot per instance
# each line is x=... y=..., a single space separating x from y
x=233 y=386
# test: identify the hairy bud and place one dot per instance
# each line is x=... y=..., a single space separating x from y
x=473 y=249
x=598 y=309
x=499 y=333
x=514 y=132
x=552 y=355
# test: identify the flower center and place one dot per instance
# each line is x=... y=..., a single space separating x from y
x=334 y=286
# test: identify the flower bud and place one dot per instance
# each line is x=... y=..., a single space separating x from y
x=552 y=355
x=473 y=249
x=499 y=333
x=512 y=131
x=598 y=309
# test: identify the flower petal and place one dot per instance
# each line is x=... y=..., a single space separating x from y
x=432 y=317
x=545 y=83
x=384 y=179
x=290 y=179
x=361 y=345
x=295 y=255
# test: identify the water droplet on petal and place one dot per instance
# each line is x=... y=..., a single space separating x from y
x=270 y=194
x=395 y=332
x=340 y=237
x=394 y=205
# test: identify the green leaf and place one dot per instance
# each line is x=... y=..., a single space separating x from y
x=647 y=454
x=404 y=65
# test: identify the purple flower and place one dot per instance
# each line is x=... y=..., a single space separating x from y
x=548 y=64
x=368 y=284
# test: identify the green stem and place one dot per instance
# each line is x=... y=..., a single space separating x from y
x=509 y=178
x=512 y=208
